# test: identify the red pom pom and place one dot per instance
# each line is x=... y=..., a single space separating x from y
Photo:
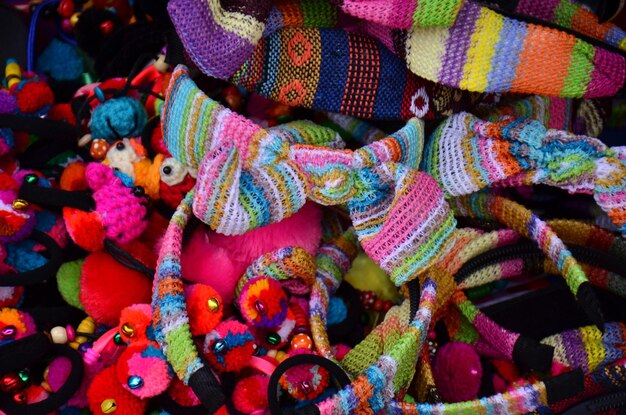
x=62 y=112
x=85 y=228
x=250 y=394
x=229 y=347
x=182 y=394
x=205 y=309
x=134 y=323
x=457 y=372
x=305 y=382
x=107 y=287
x=33 y=96
x=263 y=302
x=105 y=390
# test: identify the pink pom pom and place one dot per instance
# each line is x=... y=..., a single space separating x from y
x=250 y=394
x=58 y=372
x=143 y=370
x=457 y=372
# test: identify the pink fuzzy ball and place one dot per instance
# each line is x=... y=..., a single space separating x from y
x=219 y=260
x=58 y=372
x=250 y=394
x=143 y=370
x=457 y=372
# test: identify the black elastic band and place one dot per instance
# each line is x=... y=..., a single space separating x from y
x=49 y=197
x=565 y=385
x=208 y=389
x=272 y=389
x=57 y=399
x=168 y=404
x=42 y=127
x=24 y=352
x=127 y=259
x=43 y=273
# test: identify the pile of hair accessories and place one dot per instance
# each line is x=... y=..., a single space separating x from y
x=312 y=207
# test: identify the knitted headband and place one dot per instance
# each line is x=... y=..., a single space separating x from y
x=250 y=177
x=450 y=42
x=466 y=154
x=465 y=45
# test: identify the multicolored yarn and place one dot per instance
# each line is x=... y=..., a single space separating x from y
x=249 y=177
x=481 y=50
x=338 y=71
x=588 y=348
x=233 y=28
x=466 y=154
x=525 y=223
x=374 y=389
x=333 y=260
x=170 y=319
x=355 y=129
x=574 y=16
x=293 y=266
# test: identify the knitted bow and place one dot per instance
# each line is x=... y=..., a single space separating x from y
x=250 y=177
x=466 y=154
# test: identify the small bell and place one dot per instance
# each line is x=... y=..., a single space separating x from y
x=273 y=339
x=219 y=346
x=108 y=406
x=135 y=382
x=20 y=205
x=259 y=306
x=128 y=330
x=214 y=304
x=8 y=332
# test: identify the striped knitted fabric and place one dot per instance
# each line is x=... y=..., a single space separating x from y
x=466 y=154
x=344 y=72
x=588 y=348
x=292 y=265
x=249 y=177
x=219 y=35
x=333 y=260
x=574 y=16
x=484 y=51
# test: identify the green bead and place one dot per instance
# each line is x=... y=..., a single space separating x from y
x=24 y=374
x=273 y=339
x=31 y=178
x=117 y=339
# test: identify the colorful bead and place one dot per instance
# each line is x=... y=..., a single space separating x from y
x=135 y=382
x=11 y=383
x=301 y=341
x=59 y=335
x=273 y=338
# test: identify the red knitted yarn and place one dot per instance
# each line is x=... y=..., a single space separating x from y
x=138 y=318
x=200 y=298
x=106 y=386
x=305 y=382
x=33 y=96
x=250 y=394
x=263 y=302
x=142 y=361
x=229 y=347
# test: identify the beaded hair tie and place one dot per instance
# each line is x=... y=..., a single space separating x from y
x=249 y=177
x=466 y=154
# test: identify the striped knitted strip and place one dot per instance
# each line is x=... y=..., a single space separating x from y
x=343 y=72
x=575 y=16
x=333 y=261
x=487 y=52
x=466 y=154
x=249 y=177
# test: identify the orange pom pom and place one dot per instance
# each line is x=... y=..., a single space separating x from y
x=205 y=308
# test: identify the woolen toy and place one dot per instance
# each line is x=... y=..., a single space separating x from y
x=263 y=303
x=119 y=213
x=117 y=118
x=106 y=393
x=135 y=324
x=304 y=382
x=143 y=370
x=458 y=372
x=33 y=95
x=61 y=61
x=219 y=260
x=229 y=346
x=15 y=324
x=205 y=308
x=176 y=181
x=104 y=298
x=250 y=394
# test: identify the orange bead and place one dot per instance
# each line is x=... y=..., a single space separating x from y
x=99 y=148
x=301 y=341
